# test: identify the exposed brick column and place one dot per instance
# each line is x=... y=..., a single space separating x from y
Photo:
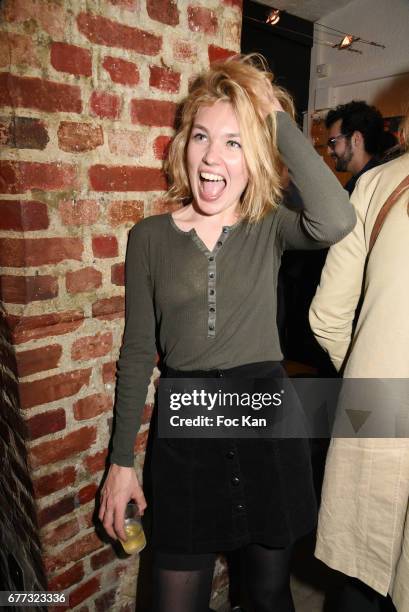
x=19 y=539
x=88 y=98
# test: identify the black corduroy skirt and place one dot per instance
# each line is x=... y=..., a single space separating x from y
x=213 y=495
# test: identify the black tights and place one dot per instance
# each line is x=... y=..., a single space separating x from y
x=267 y=572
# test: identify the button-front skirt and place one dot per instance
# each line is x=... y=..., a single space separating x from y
x=214 y=495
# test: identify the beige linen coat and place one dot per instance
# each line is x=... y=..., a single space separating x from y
x=363 y=522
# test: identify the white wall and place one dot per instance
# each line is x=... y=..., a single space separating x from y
x=379 y=76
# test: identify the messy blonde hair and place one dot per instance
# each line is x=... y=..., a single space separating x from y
x=243 y=81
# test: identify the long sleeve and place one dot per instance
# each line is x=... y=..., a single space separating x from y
x=328 y=215
x=333 y=308
x=138 y=350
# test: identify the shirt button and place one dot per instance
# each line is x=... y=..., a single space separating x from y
x=235 y=481
x=211 y=291
x=211 y=327
x=211 y=274
x=211 y=258
x=212 y=309
x=240 y=507
x=219 y=243
x=230 y=454
x=225 y=230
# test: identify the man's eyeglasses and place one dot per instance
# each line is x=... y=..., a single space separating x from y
x=332 y=142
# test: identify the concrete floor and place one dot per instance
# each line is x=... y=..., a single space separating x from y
x=307 y=598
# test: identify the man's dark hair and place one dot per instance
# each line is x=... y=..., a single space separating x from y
x=359 y=116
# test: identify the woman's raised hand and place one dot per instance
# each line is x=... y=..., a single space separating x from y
x=269 y=100
x=120 y=486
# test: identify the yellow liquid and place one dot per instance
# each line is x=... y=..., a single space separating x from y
x=135 y=537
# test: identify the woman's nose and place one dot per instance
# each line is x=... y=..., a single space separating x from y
x=211 y=155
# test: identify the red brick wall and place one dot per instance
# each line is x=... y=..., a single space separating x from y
x=87 y=97
x=19 y=538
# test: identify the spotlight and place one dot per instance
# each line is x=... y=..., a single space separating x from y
x=347 y=41
x=273 y=17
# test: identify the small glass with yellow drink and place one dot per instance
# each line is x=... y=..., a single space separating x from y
x=135 y=536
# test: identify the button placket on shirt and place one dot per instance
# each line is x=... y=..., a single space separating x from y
x=211 y=284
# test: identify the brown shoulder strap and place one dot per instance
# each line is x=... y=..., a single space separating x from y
x=382 y=214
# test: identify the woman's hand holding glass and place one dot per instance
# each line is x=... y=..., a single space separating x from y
x=120 y=486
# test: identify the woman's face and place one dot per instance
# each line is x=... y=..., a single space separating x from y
x=215 y=161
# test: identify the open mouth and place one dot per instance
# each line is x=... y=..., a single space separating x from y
x=212 y=185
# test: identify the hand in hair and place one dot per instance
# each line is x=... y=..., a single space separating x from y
x=269 y=100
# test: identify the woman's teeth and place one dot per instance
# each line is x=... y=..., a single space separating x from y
x=207 y=176
x=212 y=185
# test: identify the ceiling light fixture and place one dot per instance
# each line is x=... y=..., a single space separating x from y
x=346 y=42
x=273 y=17
x=347 y=39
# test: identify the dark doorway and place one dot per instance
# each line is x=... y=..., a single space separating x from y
x=286 y=46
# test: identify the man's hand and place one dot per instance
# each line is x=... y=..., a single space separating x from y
x=120 y=486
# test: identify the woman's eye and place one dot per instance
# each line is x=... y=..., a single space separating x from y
x=233 y=144
x=199 y=137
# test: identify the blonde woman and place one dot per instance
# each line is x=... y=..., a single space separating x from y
x=363 y=524
x=201 y=288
